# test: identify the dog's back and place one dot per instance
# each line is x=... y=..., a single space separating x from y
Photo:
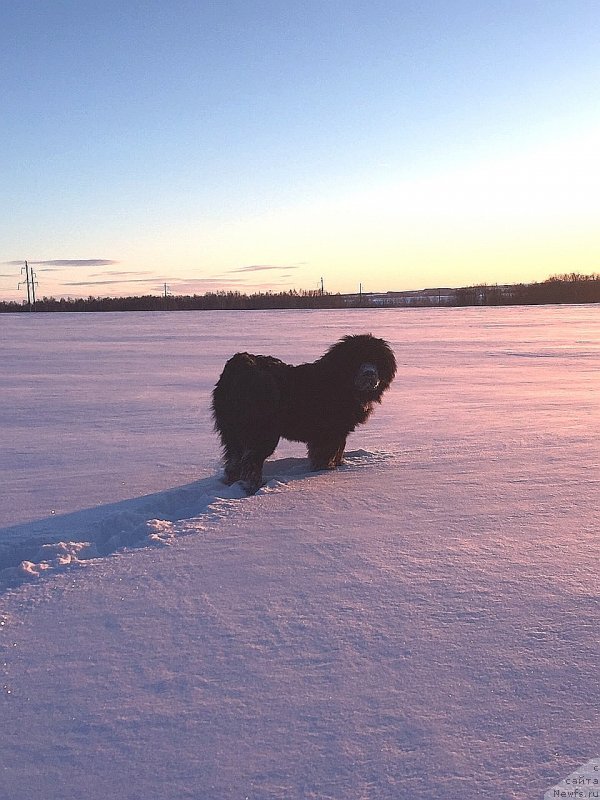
x=247 y=391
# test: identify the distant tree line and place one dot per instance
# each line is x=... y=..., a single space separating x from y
x=570 y=288
x=211 y=301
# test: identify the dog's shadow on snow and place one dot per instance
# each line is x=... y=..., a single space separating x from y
x=33 y=549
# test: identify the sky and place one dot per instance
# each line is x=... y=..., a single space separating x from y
x=266 y=144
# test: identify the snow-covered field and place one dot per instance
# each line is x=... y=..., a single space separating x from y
x=422 y=623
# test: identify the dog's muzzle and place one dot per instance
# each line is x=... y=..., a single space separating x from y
x=367 y=378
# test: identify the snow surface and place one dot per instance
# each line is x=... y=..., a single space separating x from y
x=422 y=623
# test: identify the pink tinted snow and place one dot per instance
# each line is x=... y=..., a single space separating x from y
x=422 y=623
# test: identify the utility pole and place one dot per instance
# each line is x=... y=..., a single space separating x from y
x=34 y=283
x=26 y=268
x=360 y=295
x=31 y=283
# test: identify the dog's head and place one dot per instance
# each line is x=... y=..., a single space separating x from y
x=367 y=378
x=365 y=360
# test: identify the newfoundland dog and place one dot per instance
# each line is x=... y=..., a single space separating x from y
x=259 y=399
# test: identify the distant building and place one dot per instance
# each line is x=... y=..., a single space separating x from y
x=471 y=295
x=419 y=297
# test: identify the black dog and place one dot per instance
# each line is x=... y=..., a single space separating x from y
x=259 y=399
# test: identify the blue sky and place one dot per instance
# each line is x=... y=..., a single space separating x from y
x=259 y=145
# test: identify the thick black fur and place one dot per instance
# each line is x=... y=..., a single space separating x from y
x=259 y=399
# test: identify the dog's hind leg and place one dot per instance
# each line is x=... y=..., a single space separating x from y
x=231 y=469
x=251 y=465
x=232 y=458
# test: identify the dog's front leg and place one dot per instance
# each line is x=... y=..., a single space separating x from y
x=326 y=455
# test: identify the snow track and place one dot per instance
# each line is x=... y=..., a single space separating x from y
x=42 y=548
